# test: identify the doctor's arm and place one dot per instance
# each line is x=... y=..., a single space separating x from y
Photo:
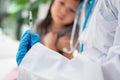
x=27 y=41
x=115 y=49
x=111 y=67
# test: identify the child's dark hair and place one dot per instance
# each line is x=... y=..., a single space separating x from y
x=42 y=27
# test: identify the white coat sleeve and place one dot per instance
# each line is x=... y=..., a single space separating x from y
x=111 y=67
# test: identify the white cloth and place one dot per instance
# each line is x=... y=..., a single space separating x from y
x=41 y=63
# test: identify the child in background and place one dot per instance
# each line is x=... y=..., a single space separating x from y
x=54 y=31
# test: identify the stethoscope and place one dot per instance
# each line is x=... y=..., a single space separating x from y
x=73 y=47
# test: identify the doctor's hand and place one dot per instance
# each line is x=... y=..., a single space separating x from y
x=27 y=41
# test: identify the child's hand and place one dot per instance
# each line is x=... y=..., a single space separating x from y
x=50 y=40
x=64 y=42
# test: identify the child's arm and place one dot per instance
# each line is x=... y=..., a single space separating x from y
x=49 y=40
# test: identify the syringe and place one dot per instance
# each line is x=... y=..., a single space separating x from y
x=30 y=21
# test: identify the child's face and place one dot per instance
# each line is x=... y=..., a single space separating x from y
x=63 y=11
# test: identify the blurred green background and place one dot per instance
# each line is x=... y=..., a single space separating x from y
x=15 y=13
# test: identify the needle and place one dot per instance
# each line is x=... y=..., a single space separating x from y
x=30 y=21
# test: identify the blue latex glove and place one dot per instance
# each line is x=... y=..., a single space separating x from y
x=27 y=41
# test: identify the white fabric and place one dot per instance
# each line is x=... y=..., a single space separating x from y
x=38 y=59
x=100 y=59
x=41 y=63
x=102 y=38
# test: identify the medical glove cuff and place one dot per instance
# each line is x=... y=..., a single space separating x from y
x=34 y=38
